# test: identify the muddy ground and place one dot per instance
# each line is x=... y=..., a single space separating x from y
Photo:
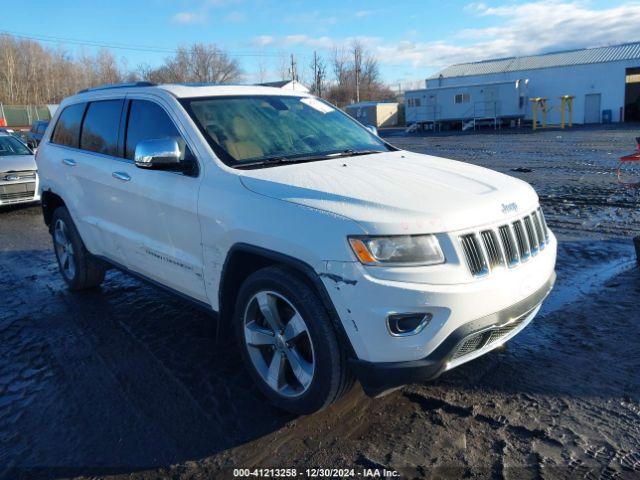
x=129 y=381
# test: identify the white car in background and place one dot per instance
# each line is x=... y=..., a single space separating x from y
x=18 y=172
x=331 y=254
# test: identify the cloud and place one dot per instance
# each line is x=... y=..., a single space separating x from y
x=522 y=29
x=201 y=13
x=363 y=13
x=187 y=18
x=306 y=41
x=320 y=42
x=316 y=18
x=220 y=3
x=263 y=41
x=236 y=17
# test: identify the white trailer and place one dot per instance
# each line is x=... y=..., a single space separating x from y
x=467 y=105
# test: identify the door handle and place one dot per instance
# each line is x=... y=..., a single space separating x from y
x=121 y=176
x=69 y=162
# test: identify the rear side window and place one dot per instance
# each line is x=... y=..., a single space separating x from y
x=67 y=131
x=100 y=127
x=148 y=121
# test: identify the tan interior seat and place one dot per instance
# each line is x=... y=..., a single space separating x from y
x=242 y=145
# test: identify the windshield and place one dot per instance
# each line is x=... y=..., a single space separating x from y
x=12 y=146
x=246 y=130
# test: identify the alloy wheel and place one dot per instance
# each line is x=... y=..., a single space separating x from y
x=64 y=249
x=279 y=343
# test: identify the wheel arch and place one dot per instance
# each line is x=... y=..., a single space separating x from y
x=244 y=259
x=49 y=202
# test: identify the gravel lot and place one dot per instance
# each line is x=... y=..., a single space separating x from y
x=129 y=381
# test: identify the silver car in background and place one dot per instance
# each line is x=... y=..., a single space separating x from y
x=18 y=175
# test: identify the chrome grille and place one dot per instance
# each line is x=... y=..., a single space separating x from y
x=17 y=192
x=491 y=247
x=23 y=175
x=539 y=230
x=523 y=245
x=543 y=220
x=531 y=235
x=508 y=244
x=473 y=253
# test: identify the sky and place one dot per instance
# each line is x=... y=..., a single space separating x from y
x=411 y=39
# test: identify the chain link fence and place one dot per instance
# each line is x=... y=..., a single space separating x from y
x=23 y=115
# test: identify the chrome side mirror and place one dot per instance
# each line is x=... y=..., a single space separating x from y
x=159 y=153
x=372 y=129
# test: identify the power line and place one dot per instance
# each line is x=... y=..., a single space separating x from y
x=121 y=46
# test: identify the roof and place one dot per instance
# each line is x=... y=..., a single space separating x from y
x=278 y=84
x=463 y=85
x=186 y=90
x=369 y=104
x=208 y=90
x=627 y=51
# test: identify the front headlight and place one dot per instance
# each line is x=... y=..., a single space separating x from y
x=397 y=250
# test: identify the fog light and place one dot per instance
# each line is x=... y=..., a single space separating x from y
x=405 y=324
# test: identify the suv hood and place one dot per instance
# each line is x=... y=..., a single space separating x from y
x=398 y=192
x=17 y=163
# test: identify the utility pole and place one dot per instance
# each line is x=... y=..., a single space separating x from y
x=294 y=75
x=356 y=54
x=315 y=73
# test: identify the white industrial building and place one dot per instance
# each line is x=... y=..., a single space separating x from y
x=604 y=81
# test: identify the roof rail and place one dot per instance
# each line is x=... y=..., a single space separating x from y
x=118 y=85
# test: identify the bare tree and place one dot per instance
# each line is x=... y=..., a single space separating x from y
x=197 y=63
x=318 y=68
x=357 y=76
x=33 y=74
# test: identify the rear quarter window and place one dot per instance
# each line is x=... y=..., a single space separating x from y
x=67 y=129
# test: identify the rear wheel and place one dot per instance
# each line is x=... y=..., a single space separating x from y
x=288 y=343
x=78 y=267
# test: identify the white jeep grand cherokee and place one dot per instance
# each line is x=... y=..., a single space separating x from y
x=332 y=254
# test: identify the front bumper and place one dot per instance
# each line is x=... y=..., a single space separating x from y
x=467 y=342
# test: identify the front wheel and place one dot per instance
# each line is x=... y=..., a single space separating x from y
x=288 y=342
x=78 y=267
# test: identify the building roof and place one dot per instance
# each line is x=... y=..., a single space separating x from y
x=284 y=84
x=627 y=51
x=278 y=84
x=369 y=104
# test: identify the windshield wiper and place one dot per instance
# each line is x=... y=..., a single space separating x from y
x=350 y=152
x=273 y=161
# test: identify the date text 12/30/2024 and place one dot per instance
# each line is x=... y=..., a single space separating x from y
x=314 y=473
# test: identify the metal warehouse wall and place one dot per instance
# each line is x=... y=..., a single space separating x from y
x=607 y=79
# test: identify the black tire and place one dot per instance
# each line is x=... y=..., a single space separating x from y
x=331 y=378
x=88 y=271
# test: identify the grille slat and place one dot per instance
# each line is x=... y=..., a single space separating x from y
x=521 y=240
x=531 y=236
x=491 y=246
x=473 y=253
x=543 y=220
x=508 y=245
x=9 y=197
x=539 y=230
